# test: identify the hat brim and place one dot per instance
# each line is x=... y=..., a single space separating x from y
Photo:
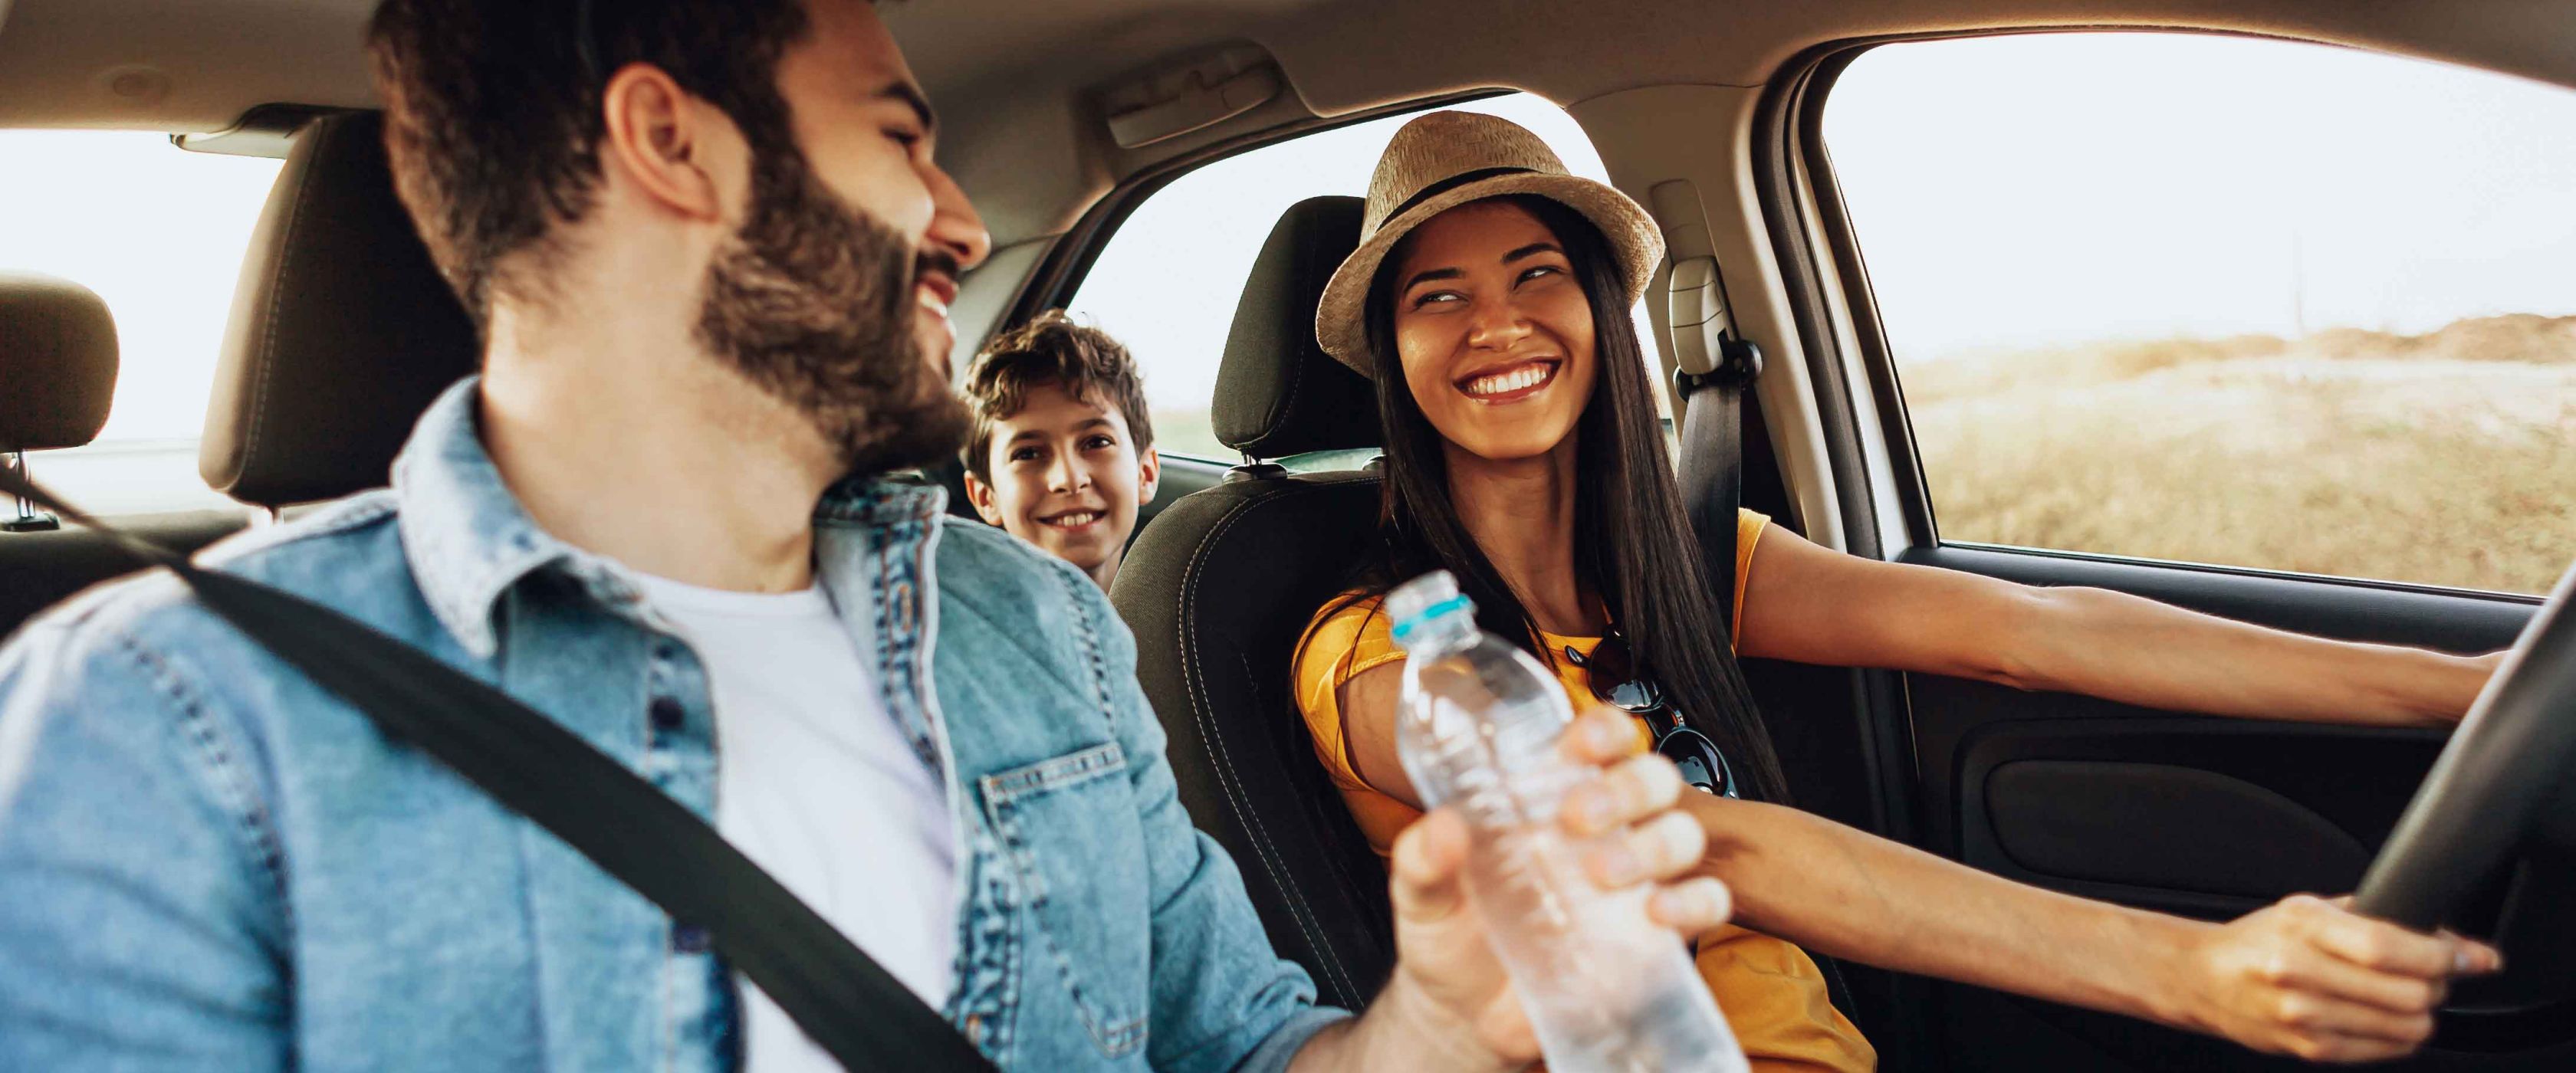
x=1634 y=240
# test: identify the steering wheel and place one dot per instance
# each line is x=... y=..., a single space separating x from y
x=2504 y=787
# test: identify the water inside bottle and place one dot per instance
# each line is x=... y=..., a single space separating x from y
x=1604 y=986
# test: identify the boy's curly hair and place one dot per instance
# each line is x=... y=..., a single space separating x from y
x=1051 y=349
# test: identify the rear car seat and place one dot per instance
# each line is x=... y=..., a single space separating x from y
x=342 y=332
x=1219 y=588
x=58 y=356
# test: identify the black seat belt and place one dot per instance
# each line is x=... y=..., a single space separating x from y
x=1712 y=445
x=1713 y=368
x=1712 y=464
x=847 y=1003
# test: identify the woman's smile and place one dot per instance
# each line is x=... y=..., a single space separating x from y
x=1510 y=383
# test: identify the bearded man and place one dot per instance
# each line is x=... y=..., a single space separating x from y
x=711 y=257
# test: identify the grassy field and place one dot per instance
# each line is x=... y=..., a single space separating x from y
x=2447 y=458
x=1189 y=431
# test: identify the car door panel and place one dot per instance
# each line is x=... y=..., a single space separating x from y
x=2192 y=815
x=2196 y=832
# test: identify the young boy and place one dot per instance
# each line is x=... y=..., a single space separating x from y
x=1062 y=452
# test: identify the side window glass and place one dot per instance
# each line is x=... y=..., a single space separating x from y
x=159 y=233
x=2308 y=309
x=1167 y=282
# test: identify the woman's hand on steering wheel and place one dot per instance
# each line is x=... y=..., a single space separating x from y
x=2309 y=977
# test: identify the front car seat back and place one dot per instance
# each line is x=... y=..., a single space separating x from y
x=58 y=358
x=342 y=330
x=58 y=361
x=1219 y=588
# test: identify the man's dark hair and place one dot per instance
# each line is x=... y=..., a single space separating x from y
x=493 y=112
x=1051 y=349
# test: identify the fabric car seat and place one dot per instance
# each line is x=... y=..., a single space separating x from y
x=1220 y=586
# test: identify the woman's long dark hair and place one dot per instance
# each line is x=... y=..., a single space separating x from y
x=1632 y=541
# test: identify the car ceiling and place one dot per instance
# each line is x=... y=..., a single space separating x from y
x=1016 y=80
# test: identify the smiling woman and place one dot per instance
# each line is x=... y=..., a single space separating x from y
x=1478 y=296
x=1488 y=302
x=1167 y=282
x=1480 y=334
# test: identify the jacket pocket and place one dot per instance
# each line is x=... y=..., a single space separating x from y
x=1070 y=827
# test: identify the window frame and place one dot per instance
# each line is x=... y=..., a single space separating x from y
x=1790 y=129
x=166 y=460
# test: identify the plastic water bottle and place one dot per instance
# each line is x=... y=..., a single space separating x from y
x=1605 y=986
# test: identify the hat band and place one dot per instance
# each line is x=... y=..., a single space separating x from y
x=1451 y=183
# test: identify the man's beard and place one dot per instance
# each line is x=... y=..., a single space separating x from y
x=812 y=300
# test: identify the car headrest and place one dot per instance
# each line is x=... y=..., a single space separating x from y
x=58 y=358
x=1277 y=392
x=342 y=330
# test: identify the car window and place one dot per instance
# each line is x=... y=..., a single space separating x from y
x=1168 y=280
x=159 y=233
x=2245 y=302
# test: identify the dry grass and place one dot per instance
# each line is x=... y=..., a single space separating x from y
x=2447 y=458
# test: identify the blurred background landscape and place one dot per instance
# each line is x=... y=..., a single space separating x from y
x=2445 y=458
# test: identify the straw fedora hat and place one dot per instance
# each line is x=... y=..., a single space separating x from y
x=1444 y=160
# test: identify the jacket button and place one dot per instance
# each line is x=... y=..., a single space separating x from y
x=668 y=715
x=975 y=1029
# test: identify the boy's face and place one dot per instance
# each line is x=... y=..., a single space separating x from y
x=1068 y=478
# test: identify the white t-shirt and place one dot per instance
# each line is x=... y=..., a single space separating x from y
x=816 y=783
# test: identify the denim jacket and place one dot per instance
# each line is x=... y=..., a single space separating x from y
x=206 y=862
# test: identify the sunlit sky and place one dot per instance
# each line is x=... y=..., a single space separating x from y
x=2007 y=192
x=2059 y=188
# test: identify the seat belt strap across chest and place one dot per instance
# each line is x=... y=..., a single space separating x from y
x=1714 y=371
x=1712 y=465
x=845 y=1002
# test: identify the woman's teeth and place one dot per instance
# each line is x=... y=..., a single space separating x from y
x=1075 y=520
x=1526 y=376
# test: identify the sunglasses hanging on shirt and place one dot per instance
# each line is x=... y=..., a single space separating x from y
x=1615 y=682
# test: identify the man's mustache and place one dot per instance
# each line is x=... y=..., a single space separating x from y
x=936 y=260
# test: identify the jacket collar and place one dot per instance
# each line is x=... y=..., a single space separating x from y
x=469 y=541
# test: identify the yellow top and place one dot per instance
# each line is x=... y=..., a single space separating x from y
x=1773 y=994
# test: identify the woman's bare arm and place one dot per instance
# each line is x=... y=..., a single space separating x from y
x=1368 y=703
x=1815 y=605
x=2303 y=977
